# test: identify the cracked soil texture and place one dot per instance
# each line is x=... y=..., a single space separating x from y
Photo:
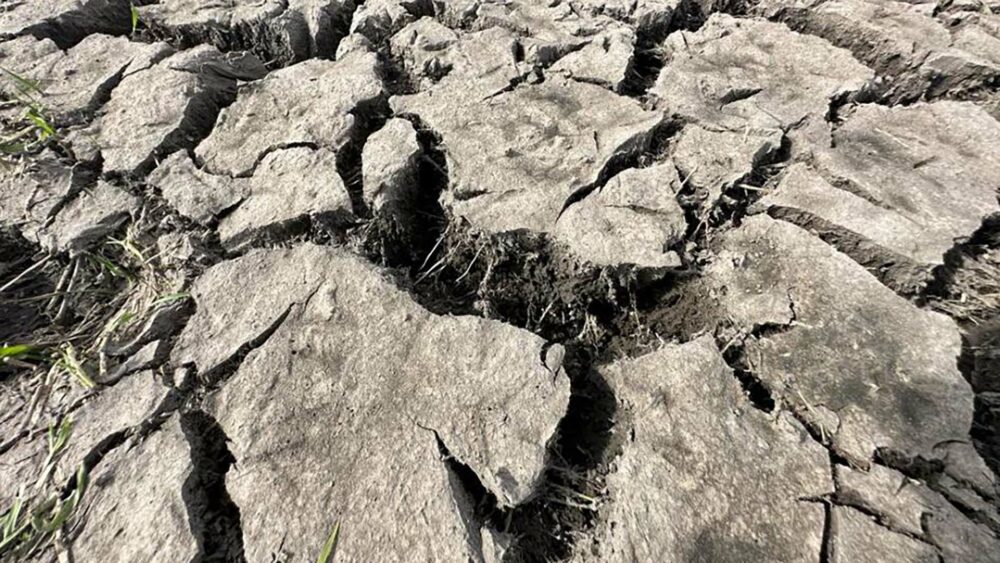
x=503 y=280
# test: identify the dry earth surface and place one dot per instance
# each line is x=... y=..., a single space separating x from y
x=501 y=280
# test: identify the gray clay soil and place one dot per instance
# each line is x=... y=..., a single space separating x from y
x=501 y=280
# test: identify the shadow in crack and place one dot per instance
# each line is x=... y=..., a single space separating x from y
x=214 y=518
x=980 y=363
x=967 y=288
x=566 y=503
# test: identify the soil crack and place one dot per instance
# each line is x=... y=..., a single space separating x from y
x=213 y=517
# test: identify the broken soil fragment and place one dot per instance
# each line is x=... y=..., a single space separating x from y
x=917 y=55
x=704 y=475
x=516 y=158
x=715 y=161
x=90 y=217
x=389 y=168
x=634 y=219
x=863 y=366
x=34 y=191
x=279 y=32
x=66 y=22
x=170 y=106
x=909 y=183
x=73 y=84
x=134 y=508
x=755 y=75
x=313 y=103
x=277 y=201
x=389 y=379
x=910 y=509
x=856 y=536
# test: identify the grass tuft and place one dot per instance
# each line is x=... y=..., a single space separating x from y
x=33 y=128
x=36 y=515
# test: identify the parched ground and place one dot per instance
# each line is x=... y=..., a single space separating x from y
x=500 y=280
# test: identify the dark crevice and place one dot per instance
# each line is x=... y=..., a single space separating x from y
x=170 y=403
x=734 y=354
x=483 y=504
x=739 y=94
x=732 y=344
x=634 y=154
x=866 y=94
x=646 y=63
x=405 y=242
x=826 y=549
x=985 y=432
x=102 y=95
x=369 y=117
x=914 y=467
x=22 y=317
x=13 y=440
x=880 y=519
x=899 y=273
x=528 y=281
x=736 y=200
x=83 y=176
x=860 y=503
x=850 y=186
x=931 y=472
x=545 y=527
x=93 y=16
x=534 y=75
x=162 y=324
x=648 y=58
x=219 y=374
x=946 y=280
x=201 y=165
x=325 y=227
x=278 y=39
x=212 y=515
x=217 y=89
x=966 y=287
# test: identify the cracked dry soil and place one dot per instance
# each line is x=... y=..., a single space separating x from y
x=507 y=280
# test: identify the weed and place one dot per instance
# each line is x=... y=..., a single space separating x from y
x=33 y=518
x=33 y=128
x=329 y=550
x=68 y=362
x=56 y=440
x=134 y=14
x=14 y=352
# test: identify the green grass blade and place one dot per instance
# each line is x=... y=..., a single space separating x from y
x=23 y=84
x=38 y=120
x=330 y=547
x=82 y=481
x=15 y=351
x=62 y=436
x=134 y=12
x=169 y=298
x=15 y=536
x=69 y=363
x=13 y=515
x=110 y=266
